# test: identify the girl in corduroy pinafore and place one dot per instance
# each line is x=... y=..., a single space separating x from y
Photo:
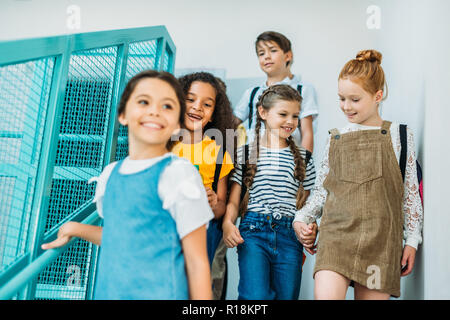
x=367 y=207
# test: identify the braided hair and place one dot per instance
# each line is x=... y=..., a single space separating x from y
x=266 y=100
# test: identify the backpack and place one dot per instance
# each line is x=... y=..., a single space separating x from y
x=402 y=161
x=250 y=104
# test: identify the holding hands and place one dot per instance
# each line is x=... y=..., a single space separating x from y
x=231 y=235
x=306 y=234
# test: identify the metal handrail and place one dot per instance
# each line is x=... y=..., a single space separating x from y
x=30 y=272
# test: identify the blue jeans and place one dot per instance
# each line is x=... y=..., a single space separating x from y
x=214 y=234
x=270 y=259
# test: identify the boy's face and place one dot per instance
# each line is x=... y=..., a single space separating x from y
x=272 y=59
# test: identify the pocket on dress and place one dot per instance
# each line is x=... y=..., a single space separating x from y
x=361 y=163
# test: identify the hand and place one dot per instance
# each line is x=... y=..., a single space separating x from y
x=212 y=197
x=231 y=235
x=306 y=234
x=65 y=233
x=408 y=257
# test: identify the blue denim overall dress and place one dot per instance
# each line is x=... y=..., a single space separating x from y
x=140 y=255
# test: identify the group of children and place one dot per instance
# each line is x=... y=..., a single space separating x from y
x=169 y=209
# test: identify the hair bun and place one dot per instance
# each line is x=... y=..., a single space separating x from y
x=369 y=55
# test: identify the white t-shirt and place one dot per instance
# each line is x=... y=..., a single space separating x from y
x=180 y=189
x=309 y=106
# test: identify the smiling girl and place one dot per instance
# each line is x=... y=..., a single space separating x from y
x=153 y=205
x=277 y=179
x=208 y=115
x=367 y=208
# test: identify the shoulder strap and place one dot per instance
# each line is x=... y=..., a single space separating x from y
x=244 y=167
x=299 y=89
x=218 y=168
x=404 y=149
x=334 y=132
x=250 y=106
x=307 y=157
x=386 y=125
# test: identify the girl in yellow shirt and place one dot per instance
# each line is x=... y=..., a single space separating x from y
x=207 y=141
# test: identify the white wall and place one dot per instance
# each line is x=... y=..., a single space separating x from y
x=325 y=34
x=436 y=253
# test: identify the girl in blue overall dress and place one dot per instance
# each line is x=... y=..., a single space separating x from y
x=153 y=239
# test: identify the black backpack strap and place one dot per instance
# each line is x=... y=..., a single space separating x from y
x=250 y=106
x=218 y=168
x=299 y=89
x=307 y=157
x=404 y=150
x=244 y=167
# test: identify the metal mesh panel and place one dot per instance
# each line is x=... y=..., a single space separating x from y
x=24 y=96
x=85 y=109
x=141 y=56
x=80 y=152
x=69 y=276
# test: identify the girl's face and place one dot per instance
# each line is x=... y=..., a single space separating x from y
x=272 y=59
x=200 y=105
x=151 y=114
x=282 y=118
x=358 y=105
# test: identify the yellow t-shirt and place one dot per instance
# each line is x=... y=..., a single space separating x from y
x=203 y=155
x=242 y=135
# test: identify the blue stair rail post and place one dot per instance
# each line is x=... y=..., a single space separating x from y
x=47 y=157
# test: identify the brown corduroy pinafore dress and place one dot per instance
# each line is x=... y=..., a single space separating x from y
x=361 y=231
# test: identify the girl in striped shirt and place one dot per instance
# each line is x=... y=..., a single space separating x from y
x=271 y=181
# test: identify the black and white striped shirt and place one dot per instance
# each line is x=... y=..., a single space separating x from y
x=274 y=189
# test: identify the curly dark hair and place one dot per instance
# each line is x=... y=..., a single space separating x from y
x=222 y=118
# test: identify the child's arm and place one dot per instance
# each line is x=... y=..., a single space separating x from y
x=197 y=264
x=306 y=129
x=218 y=201
x=312 y=209
x=412 y=208
x=75 y=229
x=231 y=235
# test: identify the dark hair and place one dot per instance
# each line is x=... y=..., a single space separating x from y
x=153 y=74
x=222 y=117
x=161 y=75
x=283 y=42
x=266 y=100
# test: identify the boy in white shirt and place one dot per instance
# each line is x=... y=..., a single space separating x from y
x=275 y=60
